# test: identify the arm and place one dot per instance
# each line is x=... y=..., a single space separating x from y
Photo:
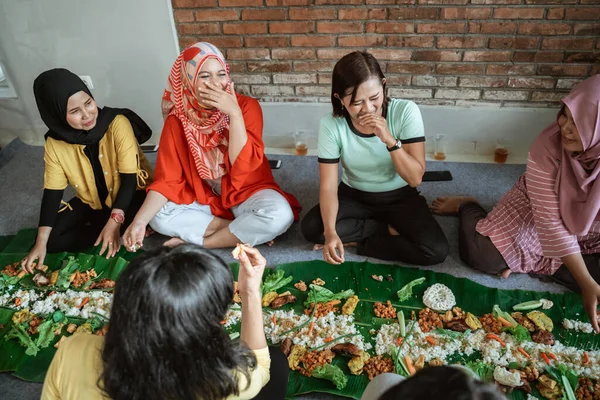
x=409 y=161
x=237 y=136
x=135 y=233
x=329 y=204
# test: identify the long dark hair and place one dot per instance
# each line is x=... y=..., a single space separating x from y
x=450 y=383
x=349 y=72
x=165 y=340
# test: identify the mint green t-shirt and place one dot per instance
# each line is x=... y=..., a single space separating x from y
x=366 y=162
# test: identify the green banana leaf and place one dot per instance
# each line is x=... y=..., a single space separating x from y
x=22 y=242
x=4 y=241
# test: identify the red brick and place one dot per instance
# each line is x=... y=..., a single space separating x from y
x=265 y=41
x=324 y=91
x=567 y=83
x=486 y=56
x=492 y=27
x=312 y=13
x=532 y=28
x=509 y=69
x=240 y=3
x=292 y=54
x=185 y=41
x=518 y=13
x=236 y=66
x=269 y=66
x=391 y=1
x=223 y=42
x=410 y=41
x=250 y=79
x=339 y=27
x=311 y=66
x=457 y=2
x=389 y=54
x=390 y=27
x=271 y=90
x=587 y=29
x=590 y=2
x=460 y=42
x=288 y=2
x=313 y=41
x=457 y=94
x=291 y=27
x=362 y=14
x=411 y=93
x=292 y=79
x=532 y=83
x=340 y=2
x=589 y=14
x=505 y=95
x=495 y=1
x=247 y=54
x=360 y=41
x=413 y=13
x=567 y=43
x=246 y=28
x=561 y=2
x=538 y=56
x=459 y=69
x=183 y=16
x=198 y=29
x=513 y=43
x=397 y=80
x=483 y=81
x=324 y=79
x=434 y=55
x=556 y=13
x=547 y=96
x=588 y=57
x=217 y=15
x=466 y=13
x=410 y=68
x=194 y=3
x=562 y=70
x=428 y=80
x=263 y=15
x=332 y=54
x=449 y=27
x=595 y=70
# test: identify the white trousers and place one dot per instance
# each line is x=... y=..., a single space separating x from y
x=261 y=218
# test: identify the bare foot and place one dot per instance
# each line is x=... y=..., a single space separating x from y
x=505 y=274
x=173 y=242
x=449 y=205
x=270 y=243
x=392 y=231
x=320 y=246
x=149 y=232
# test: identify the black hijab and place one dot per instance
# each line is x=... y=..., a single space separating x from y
x=52 y=90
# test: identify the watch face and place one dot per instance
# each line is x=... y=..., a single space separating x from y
x=120 y=218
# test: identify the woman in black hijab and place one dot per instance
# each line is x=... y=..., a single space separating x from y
x=96 y=151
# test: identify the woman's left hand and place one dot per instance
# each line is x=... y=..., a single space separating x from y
x=218 y=98
x=380 y=128
x=110 y=238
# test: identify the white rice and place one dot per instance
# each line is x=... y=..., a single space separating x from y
x=580 y=326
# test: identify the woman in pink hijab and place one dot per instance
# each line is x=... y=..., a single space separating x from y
x=549 y=222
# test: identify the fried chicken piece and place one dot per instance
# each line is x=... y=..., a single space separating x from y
x=357 y=364
x=282 y=300
x=286 y=346
x=347 y=349
x=523 y=320
x=543 y=337
x=104 y=283
x=268 y=298
x=295 y=356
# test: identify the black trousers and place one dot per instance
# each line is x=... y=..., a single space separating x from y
x=479 y=253
x=276 y=388
x=77 y=229
x=364 y=217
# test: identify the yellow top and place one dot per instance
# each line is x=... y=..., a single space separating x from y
x=77 y=365
x=119 y=153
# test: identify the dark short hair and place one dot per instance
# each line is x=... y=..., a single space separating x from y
x=448 y=383
x=349 y=72
x=165 y=340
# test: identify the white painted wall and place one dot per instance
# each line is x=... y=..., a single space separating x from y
x=126 y=46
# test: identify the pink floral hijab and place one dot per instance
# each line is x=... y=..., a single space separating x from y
x=576 y=186
x=203 y=127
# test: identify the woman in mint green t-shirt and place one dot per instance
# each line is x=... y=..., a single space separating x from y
x=380 y=143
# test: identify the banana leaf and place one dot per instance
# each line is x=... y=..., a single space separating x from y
x=22 y=242
x=4 y=241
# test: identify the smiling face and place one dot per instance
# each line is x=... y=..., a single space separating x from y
x=571 y=140
x=369 y=99
x=82 y=111
x=213 y=73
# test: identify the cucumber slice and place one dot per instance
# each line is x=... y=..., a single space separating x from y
x=528 y=305
x=402 y=323
x=568 y=389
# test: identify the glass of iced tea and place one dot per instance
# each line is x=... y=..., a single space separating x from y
x=501 y=152
x=440 y=147
x=300 y=137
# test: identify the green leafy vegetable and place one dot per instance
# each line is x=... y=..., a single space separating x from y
x=484 y=371
x=406 y=291
x=70 y=265
x=332 y=373
x=399 y=365
x=6 y=281
x=96 y=323
x=450 y=333
x=402 y=323
x=275 y=281
x=46 y=333
x=319 y=294
x=560 y=371
x=59 y=316
x=520 y=333
x=19 y=332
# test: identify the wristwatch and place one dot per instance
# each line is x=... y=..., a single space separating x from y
x=395 y=147
x=119 y=218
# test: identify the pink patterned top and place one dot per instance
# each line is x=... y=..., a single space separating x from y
x=527 y=229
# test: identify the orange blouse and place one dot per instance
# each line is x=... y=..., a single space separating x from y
x=176 y=177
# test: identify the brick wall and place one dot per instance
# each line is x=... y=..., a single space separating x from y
x=446 y=52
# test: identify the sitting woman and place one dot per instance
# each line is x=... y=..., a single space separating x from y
x=548 y=223
x=213 y=184
x=165 y=340
x=96 y=151
x=380 y=144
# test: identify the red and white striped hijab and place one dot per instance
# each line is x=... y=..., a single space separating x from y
x=203 y=127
